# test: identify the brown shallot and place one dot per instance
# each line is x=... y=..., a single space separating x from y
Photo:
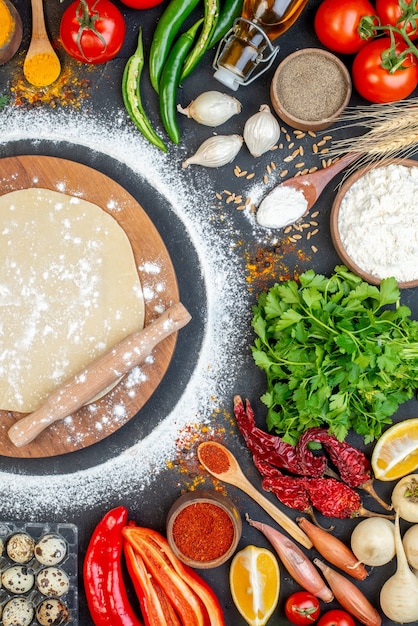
x=333 y=549
x=299 y=566
x=349 y=596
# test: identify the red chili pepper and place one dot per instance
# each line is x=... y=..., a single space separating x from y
x=156 y=607
x=272 y=448
x=106 y=594
x=329 y=496
x=288 y=489
x=352 y=464
x=192 y=598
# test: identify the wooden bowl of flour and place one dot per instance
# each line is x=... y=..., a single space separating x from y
x=374 y=222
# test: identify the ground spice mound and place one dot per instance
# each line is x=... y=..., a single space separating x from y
x=215 y=459
x=203 y=531
x=70 y=89
x=311 y=87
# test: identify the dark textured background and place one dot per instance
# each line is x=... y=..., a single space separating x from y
x=153 y=503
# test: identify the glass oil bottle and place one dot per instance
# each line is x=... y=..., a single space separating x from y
x=248 y=43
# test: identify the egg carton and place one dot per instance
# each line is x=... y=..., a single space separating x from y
x=21 y=588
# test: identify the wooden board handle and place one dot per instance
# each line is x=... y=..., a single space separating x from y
x=99 y=375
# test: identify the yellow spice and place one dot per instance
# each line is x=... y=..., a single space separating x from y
x=42 y=69
x=6 y=24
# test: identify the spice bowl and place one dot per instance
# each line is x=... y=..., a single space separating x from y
x=203 y=528
x=310 y=89
x=374 y=223
x=11 y=31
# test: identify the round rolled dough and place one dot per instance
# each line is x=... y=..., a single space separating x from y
x=69 y=290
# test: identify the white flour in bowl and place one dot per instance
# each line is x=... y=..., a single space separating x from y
x=378 y=222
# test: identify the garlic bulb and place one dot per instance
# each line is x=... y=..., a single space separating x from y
x=216 y=151
x=211 y=108
x=261 y=131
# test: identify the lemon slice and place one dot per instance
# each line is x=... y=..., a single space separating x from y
x=396 y=452
x=254 y=579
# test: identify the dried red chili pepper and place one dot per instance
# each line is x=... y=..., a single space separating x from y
x=272 y=448
x=106 y=594
x=352 y=464
x=288 y=489
x=329 y=496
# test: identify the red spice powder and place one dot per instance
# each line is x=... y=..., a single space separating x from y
x=214 y=458
x=203 y=531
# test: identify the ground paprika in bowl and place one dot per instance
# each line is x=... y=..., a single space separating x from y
x=203 y=528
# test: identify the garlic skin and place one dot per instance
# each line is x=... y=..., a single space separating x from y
x=261 y=131
x=211 y=108
x=216 y=151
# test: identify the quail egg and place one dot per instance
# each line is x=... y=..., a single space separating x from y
x=52 y=581
x=52 y=612
x=1 y=547
x=50 y=549
x=18 y=612
x=20 y=547
x=18 y=579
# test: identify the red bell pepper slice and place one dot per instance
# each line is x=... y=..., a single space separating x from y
x=181 y=584
x=156 y=607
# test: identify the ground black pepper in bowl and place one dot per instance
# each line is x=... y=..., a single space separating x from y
x=310 y=89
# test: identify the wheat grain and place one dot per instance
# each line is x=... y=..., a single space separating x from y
x=393 y=131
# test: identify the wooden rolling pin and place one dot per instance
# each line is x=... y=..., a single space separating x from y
x=99 y=375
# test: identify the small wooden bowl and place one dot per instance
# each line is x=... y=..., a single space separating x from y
x=11 y=46
x=310 y=89
x=336 y=237
x=190 y=506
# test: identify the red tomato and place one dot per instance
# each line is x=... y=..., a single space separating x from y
x=336 y=23
x=302 y=608
x=336 y=617
x=377 y=84
x=92 y=31
x=141 y=4
x=389 y=12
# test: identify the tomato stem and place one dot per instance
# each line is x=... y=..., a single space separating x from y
x=87 y=17
x=370 y=26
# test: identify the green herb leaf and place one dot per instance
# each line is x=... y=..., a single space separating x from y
x=336 y=352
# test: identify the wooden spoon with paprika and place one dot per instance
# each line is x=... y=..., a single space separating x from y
x=222 y=464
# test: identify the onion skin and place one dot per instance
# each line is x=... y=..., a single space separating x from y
x=333 y=549
x=294 y=560
x=349 y=596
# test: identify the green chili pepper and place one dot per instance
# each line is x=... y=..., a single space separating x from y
x=210 y=19
x=167 y=28
x=170 y=78
x=229 y=12
x=132 y=97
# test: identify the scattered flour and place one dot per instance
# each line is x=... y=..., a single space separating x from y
x=226 y=323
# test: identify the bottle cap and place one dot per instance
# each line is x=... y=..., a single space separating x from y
x=227 y=78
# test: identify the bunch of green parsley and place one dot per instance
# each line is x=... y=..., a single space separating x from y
x=337 y=352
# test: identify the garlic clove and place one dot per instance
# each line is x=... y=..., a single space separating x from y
x=211 y=108
x=261 y=131
x=216 y=151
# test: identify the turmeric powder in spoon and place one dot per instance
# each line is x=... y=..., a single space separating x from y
x=42 y=66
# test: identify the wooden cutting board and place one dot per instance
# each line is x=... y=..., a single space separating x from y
x=93 y=423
